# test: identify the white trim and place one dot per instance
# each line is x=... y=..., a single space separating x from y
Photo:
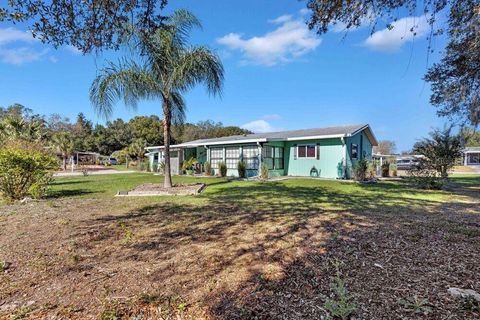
x=311 y=137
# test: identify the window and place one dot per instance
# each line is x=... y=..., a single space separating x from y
x=473 y=158
x=273 y=157
x=232 y=157
x=155 y=157
x=354 y=151
x=216 y=156
x=307 y=151
x=250 y=156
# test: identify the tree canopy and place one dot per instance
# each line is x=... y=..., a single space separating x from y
x=88 y=24
x=385 y=147
x=456 y=78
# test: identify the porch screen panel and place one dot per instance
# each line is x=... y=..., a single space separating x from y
x=216 y=156
x=232 y=157
x=250 y=156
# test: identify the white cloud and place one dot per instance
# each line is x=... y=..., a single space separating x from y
x=258 y=126
x=404 y=30
x=20 y=55
x=271 y=117
x=9 y=35
x=290 y=40
x=73 y=49
x=13 y=53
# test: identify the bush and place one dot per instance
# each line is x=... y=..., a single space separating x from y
x=208 y=168
x=222 y=168
x=264 y=171
x=161 y=167
x=360 y=170
x=385 y=169
x=25 y=169
x=188 y=164
x=426 y=178
x=242 y=169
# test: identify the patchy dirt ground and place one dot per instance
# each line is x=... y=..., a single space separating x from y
x=256 y=252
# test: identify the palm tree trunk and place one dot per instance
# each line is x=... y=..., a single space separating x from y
x=166 y=142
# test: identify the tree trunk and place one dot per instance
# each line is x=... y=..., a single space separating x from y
x=166 y=142
x=64 y=163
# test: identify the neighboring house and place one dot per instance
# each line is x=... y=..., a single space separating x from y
x=471 y=156
x=323 y=152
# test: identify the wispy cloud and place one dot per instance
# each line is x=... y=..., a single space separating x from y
x=10 y=35
x=403 y=30
x=289 y=41
x=21 y=55
x=17 y=47
x=73 y=49
x=271 y=117
x=258 y=126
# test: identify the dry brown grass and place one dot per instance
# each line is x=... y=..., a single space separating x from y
x=243 y=251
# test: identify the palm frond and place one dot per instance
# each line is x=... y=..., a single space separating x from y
x=125 y=81
x=180 y=23
x=179 y=108
x=199 y=65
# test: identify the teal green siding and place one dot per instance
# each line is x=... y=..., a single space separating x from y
x=364 y=150
x=328 y=166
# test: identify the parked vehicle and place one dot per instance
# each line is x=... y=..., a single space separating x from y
x=110 y=161
x=406 y=163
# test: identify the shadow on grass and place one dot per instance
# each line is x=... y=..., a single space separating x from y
x=272 y=244
x=65 y=193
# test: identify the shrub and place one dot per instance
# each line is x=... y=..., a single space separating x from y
x=264 y=171
x=208 y=168
x=385 y=169
x=222 y=168
x=25 y=169
x=426 y=178
x=155 y=167
x=242 y=169
x=161 y=167
x=360 y=170
x=188 y=164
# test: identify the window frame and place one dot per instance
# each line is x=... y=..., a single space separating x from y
x=356 y=151
x=273 y=157
x=305 y=145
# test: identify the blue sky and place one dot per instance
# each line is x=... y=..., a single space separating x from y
x=279 y=75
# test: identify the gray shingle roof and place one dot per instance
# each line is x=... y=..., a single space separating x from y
x=339 y=130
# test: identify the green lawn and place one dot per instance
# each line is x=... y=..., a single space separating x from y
x=313 y=193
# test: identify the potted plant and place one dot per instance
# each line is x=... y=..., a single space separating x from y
x=187 y=165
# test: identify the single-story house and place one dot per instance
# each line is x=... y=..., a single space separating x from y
x=471 y=156
x=322 y=152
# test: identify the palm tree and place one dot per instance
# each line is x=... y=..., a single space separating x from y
x=167 y=68
x=63 y=142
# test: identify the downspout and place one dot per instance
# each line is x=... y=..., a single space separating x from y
x=344 y=160
x=259 y=157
